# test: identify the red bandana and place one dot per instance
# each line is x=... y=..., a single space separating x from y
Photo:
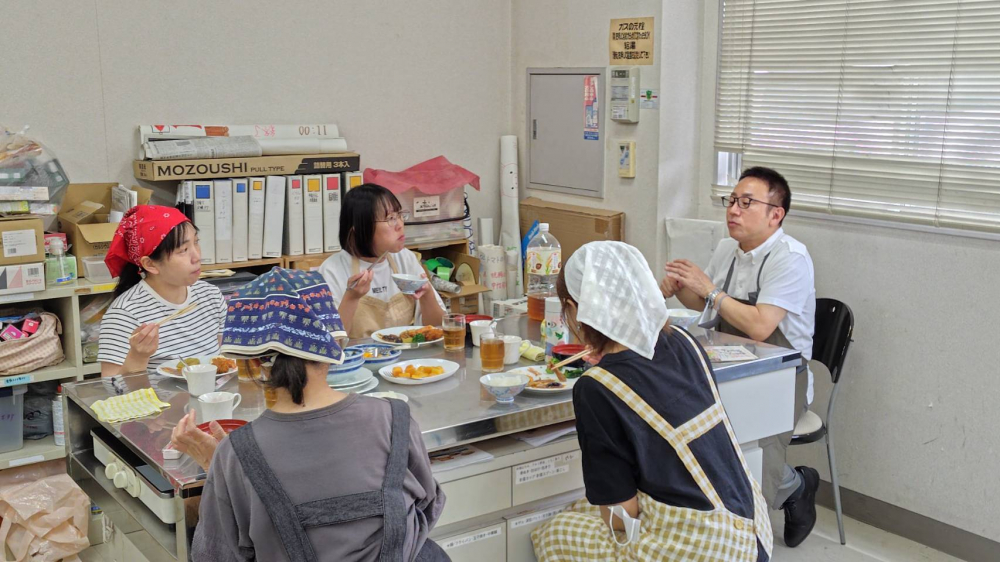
x=139 y=234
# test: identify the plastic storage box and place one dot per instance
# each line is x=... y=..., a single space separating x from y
x=12 y=418
x=95 y=270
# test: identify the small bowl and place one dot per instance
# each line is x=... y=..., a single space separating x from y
x=565 y=351
x=470 y=318
x=682 y=317
x=353 y=358
x=504 y=386
x=408 y=283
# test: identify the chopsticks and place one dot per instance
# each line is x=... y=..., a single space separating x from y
x=376 y=262
x=555 y=368
x=177 y=314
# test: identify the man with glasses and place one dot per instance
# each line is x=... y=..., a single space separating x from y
x=760 y=285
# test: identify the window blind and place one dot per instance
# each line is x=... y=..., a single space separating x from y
x=887 y=109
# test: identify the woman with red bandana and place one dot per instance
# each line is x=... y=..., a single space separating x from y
x=156 y=257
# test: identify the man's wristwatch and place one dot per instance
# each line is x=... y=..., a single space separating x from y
x=710 y=299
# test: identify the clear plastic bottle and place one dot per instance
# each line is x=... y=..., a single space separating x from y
x=60 y=268
x=543 y=260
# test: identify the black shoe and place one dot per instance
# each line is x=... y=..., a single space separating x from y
x=800 y=509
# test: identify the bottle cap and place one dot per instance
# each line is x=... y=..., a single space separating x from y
x=543 y=227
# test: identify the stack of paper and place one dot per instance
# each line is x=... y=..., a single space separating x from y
x=544 y=435
x=457 y=457
x=728 y=354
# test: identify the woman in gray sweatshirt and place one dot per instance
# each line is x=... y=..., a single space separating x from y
x=321 y=475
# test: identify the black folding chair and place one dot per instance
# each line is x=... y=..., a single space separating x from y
x=834 y=328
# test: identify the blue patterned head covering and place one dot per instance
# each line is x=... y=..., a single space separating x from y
x=284 y=311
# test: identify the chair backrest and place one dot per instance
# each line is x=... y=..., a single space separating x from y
x=834 y=328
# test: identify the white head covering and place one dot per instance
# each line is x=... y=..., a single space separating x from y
x=617 y=295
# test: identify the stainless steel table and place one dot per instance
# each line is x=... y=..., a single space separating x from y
x=449 y=412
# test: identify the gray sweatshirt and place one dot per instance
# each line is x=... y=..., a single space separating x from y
x=334 y=451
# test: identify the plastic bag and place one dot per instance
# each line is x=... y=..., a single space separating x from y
x=431 y=192
x=26 y=162
x=91 y=315
x=434 y=177
x=37 y=416
x=44 y=520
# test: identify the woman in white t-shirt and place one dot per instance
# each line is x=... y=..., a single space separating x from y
x=156 y=257
x=371 y=222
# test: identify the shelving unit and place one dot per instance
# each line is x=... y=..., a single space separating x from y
x=64 y=302
x=312 y=260
x=243 y=264
x=33 y=452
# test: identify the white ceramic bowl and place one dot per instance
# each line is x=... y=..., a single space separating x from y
x=683 y=317
x=504 y=386
x=408 y=283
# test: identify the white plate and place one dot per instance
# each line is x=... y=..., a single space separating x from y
x=567 y=387
x=370 y=385
x=450 y=368
x=350 y=378
x=201 y=360
x=376 y=335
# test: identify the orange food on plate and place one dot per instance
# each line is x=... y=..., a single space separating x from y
x=223 y=364
x=416 y=373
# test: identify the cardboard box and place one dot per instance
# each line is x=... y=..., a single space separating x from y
x=159 y=170
x=465 y=301
x=573 y=225
x=81 y=218
x=24 y=278
x=305 y=263
x=23 y=240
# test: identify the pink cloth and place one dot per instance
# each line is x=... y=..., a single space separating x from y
x=433 y=177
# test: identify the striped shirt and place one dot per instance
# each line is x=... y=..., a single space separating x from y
x=191 y=335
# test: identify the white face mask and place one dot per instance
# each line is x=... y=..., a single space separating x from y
x=632 y=525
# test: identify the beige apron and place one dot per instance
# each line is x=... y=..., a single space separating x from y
x=668 y=533
x=374 y=314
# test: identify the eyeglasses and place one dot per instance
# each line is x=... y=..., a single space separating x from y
x=396 y=219
x=745 y=202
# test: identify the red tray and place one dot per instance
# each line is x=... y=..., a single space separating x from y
x=228 y=426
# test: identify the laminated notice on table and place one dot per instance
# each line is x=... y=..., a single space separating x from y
x=544 y=468
x=534 y=518
x=475 y=537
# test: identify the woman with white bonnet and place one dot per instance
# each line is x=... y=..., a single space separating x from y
x=664 y=475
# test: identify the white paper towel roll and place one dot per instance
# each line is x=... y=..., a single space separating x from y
x=510 y=224
x=493 y=274
x=513 y=274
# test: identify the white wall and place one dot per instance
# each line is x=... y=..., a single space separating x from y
x=405 y=80
x=916 y=420
x=680 y=107
x=574 y=33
